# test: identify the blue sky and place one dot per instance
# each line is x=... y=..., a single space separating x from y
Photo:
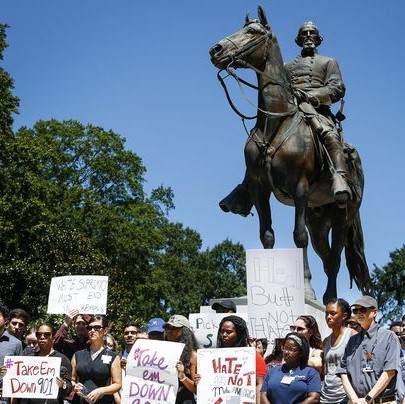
x=142 y=69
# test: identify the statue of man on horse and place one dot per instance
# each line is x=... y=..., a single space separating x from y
x=317 y=83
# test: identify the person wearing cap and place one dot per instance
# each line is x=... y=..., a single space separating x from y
x=224 y=306
x=370 y=363
x=178 y=329
x=155 y=328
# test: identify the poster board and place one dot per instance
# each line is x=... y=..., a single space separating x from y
x=31 y=376
x=275 y=291
x=151 y=375
x=229 y=375
x=86 y=293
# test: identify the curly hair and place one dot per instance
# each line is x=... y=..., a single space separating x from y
x=315 y=340
x=242 y=331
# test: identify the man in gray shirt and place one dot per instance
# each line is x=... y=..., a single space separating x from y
x=9 y=345
x=370 y=364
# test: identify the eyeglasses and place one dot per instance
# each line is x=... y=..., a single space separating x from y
x=43 y=334
x=130 y=332
x=294 y=328
x=362 y=310
x=94 y=327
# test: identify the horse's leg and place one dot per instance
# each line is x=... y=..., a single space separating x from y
x=338 y=242
x=319 y=225
x=301 y=234
x=262 y=205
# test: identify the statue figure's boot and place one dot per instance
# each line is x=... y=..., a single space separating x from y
x=340 y=188
x=237 y=201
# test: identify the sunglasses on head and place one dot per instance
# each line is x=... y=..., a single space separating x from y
x=294 y=328
x=43 y=334
x=130 y=332
x=94 y=327
x=362 y=310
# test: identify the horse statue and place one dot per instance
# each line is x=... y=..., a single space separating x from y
x=283 y=157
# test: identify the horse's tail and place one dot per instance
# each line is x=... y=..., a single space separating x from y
x=355 y=258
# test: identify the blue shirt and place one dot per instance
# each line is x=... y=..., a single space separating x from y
x=285 y=386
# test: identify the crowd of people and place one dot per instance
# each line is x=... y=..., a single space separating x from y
x=358 y=362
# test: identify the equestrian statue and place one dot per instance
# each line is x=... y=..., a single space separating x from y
x=296 y=150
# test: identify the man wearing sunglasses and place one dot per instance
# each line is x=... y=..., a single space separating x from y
x=370 y=364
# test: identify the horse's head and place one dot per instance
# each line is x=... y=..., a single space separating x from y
x=245 y=47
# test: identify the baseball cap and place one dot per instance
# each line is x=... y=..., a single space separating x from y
x=178 y=321
x=366 y=301
x=155 y=325
x=227 y=304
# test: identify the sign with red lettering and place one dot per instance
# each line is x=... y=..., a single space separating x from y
x=228 y=375
x=31 y=376
x=151 y=375
x=86 y=293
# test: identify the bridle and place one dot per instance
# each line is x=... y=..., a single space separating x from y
x=239 y=58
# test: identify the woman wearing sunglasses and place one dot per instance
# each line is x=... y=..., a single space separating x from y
x=44 y=335
x=96 y=370
x=308 y=327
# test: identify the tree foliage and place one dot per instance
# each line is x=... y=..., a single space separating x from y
x=388 y=282
x=72 y=202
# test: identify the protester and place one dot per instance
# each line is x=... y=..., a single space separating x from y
x=370 y=364
x=45 y=335
x=31 y=342
x=224 y=306
x=396 y=328
x=110 y=343
x=96 y=371
x=9 y=345
x=353 y=323
x=308 y=326
x=155 y=328
x=233 y=333
x=17 y=324
x=80 y=340
x=129 y=336
x=276 y=356
x=178 y=329
x=337 y=312
x=261 y=346
x=293 y=381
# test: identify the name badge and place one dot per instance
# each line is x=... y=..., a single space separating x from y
x=106 y=359
x=367 y=368
x=287 y=379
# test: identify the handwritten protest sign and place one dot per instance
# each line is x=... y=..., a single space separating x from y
x=229 y=375
x=275 y=284
x=151 y=375
x=31 y=377
x=205 y=327
x=86 y=293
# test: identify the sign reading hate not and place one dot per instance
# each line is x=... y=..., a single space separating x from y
x=86 y=293
x=31 y=377
x=229 y=375
x=151 y=375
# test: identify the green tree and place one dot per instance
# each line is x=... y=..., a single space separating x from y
x=387 y=284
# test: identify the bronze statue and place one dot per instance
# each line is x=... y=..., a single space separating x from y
x=295 y=151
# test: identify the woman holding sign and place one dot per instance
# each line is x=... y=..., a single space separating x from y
x=233 y=333
x=294 y=381
x=44 y=336
x=96 y=370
